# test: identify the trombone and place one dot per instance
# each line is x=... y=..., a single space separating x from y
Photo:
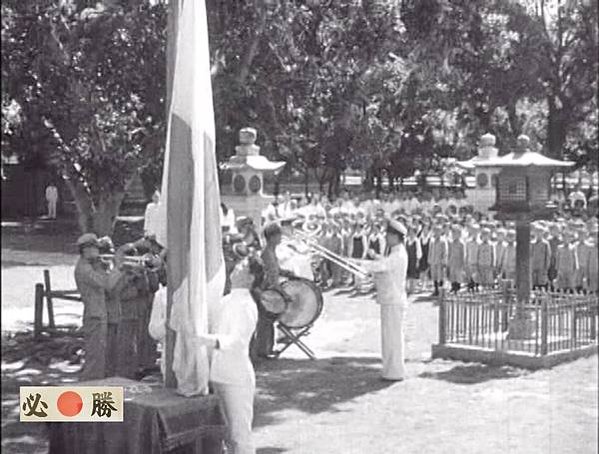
x=330 y=255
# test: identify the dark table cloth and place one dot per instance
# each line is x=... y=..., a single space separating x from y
x=156 y=420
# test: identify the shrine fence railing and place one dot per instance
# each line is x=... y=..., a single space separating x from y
x=555 y=321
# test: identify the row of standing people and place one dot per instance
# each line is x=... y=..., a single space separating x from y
x=117 y=299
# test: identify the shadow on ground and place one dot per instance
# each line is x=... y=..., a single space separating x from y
x=29 y=362
x=56 y=236
x=475 y=373
x=313 y=386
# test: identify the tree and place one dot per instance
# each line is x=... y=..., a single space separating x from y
x=90 y=83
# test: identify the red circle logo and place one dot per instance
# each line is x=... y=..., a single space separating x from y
x=69 y=403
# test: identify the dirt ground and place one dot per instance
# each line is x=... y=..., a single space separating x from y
x=337 y=403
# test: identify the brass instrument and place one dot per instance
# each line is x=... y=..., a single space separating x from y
x=343 y=262
x=139 y=260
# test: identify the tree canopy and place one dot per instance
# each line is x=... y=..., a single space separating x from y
x=383 y=86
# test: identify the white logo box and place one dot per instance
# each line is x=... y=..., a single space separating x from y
x=108 y=406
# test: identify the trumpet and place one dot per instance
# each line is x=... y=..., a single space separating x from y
x=140 y=260
x=331 y=256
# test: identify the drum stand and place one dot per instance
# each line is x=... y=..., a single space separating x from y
x=294 y=338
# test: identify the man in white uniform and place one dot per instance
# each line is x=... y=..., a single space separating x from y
x=52 y=199
x=390 y=274
x=231 y=371
x=293 y=255
x=152 y=219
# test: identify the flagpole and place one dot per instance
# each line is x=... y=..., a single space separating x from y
x=170 y=380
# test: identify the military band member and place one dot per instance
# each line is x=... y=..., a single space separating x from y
x=390 y=274
x=93 y=282
x=272 y=273
x=113 y=310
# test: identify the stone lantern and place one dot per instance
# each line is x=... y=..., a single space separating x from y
x=523 y=195
x=245 y=194
x=485 y=173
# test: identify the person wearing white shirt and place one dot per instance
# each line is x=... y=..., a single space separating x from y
x=390 y=280
x=287 y=206
x=52 y=199
x=152 y=216
x=227 y=219
x=231 y=372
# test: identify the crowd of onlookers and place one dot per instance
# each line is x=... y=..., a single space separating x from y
x=449 y=244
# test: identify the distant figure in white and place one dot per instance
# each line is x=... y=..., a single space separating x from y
x=231 y=371
x=152 y=217
x=52 y=200
x=227 y=219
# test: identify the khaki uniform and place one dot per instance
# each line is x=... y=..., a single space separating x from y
x=437 y=258
x=567 y=266
x=591 y=268
x=471 y=258
x=456 y=262
x=263 y=341
x=93 y=283
x=540 y=261
x=507 y=262
x=486 y=264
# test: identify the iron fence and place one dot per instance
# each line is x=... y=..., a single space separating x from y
x=552 y=321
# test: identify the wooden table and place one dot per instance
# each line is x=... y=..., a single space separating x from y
x=156 y=420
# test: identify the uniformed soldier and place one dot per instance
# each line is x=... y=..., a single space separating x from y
x=113 y=310
x=264 y=340
x=93 y=282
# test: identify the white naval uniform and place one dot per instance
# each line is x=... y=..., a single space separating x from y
x=390 y=281
x=231 y=371
x=295 y=257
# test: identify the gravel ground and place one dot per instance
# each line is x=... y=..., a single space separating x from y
x=337 y=403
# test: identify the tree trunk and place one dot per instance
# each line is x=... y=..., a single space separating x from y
x=83 y=202
x=98 y=219
x=557 y=127
x=104 y=217
x=306 y=181
x=515 y=123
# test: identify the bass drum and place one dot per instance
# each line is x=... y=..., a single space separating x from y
x=304 y=305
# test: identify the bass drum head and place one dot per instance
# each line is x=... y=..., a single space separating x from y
x=272 y=302
x=305 y=305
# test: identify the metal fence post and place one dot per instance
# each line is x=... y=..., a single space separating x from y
x=573 y=333
x=506 y=307
x=544 y=325
x=592 y=309
x=38 y=310
x=442 y=319
x=49 y=301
